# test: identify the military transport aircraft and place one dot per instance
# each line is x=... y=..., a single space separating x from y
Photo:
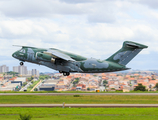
x=66 y=62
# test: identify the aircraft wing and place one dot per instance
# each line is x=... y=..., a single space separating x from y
x=57 y=54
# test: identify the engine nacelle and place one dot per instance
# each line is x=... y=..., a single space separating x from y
x=44 y=57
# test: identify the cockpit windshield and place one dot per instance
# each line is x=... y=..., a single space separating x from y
x=22 y=51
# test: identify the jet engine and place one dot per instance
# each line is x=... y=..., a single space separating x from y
x=44 y=57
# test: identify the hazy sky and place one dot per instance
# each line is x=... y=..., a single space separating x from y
x=92 y=28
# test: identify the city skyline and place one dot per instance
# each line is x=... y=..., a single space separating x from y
x=22 y=70
x=48 y=70
x=4 y=69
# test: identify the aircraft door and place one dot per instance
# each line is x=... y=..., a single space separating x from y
x=30 y=55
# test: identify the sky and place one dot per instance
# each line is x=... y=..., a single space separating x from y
x=91 y=28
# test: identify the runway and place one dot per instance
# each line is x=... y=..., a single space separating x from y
x=57 y=94
x=81 y=105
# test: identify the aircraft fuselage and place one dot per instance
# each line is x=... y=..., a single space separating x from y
x=82 y=64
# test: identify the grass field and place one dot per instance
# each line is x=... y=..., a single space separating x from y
x=81 y=113
x=77 y=92
x=7 y=113
x=85 y=99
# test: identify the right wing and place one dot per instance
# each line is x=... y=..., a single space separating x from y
x=56 y=54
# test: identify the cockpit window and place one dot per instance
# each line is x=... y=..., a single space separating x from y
x=22 y=50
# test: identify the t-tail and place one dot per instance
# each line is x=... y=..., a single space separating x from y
x=128 y=51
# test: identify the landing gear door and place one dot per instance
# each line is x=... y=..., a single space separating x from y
x=75 y=67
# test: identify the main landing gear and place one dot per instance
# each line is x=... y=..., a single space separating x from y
x=65 y=73
x=21 y=63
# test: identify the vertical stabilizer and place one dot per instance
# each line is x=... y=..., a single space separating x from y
x=128 y=51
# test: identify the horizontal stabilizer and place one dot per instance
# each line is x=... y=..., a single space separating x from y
x=130 y=44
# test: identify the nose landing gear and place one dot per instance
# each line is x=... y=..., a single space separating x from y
x=21 y=63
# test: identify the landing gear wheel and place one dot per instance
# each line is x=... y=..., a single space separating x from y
x=60 y=71
x=66 y=73
x=21 y=63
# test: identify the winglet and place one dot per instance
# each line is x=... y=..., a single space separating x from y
x=23 y=46
x=17 y=45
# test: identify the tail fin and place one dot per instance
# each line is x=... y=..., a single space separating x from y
x=128 y=51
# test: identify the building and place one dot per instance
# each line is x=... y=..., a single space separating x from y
x=4 y=69
x=20 y=80
x=47 y=88
x=35 y=72
x=8 y=86
x=22 y=70
x=48 y=85
x=29 y=72
x=81 y=87
x=16 y=69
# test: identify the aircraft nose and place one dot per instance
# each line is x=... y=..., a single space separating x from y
x=14 y=54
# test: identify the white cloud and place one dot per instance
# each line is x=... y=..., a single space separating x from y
x=90 y=28
x=77 y=1
x=17 y=27
x=151 y=4
x=38 y=8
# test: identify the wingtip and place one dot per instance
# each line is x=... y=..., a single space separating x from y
x=17 y=45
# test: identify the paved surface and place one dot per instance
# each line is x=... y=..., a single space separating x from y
x=78 y=93
x=79 y=105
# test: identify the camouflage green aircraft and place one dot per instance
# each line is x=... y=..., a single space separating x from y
x=66 y=62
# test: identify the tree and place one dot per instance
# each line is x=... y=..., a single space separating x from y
x=25 y=83
x=42 y=77
x=76 y=81
x=156 y=86
x=88 y=89
x=35 y=89
x=140 y=87
x=12 y=73
x=105 y=82
x=30 y=79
